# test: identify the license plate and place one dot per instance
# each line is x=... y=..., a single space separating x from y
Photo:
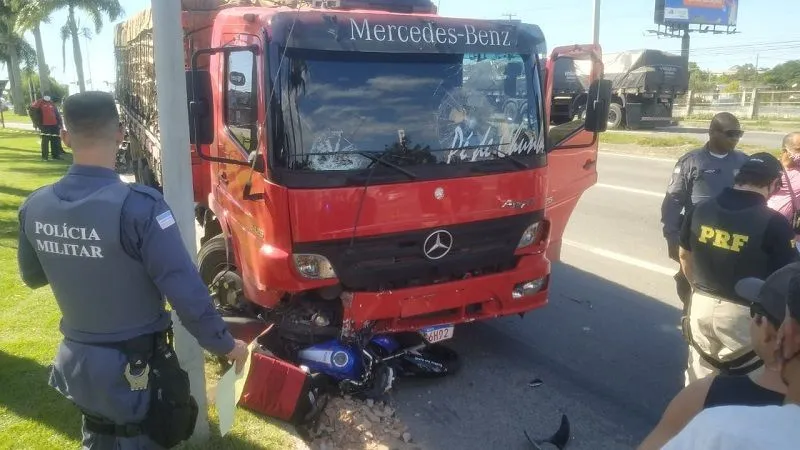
x=437 y=333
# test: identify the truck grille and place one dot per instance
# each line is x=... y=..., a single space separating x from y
x=396 y=261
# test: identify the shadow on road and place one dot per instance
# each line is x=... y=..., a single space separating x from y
x=609 y=357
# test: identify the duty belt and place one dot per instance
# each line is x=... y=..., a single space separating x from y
x=733 y=367
x=98 y=425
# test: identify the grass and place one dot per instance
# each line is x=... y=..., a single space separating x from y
x=776 y=125
x=10 y=117
x=617 y=137
x=33 y=415
x=660 y=146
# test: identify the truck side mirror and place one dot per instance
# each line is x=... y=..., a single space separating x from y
x=201 y=115
x=597 y=106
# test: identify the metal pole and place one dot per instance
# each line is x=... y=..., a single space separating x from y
x=173 y=121
x=596 y=23
x=685 y=42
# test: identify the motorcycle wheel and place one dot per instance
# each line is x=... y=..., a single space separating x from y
x=433 y=361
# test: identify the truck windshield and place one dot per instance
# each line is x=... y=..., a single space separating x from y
x=339 y=111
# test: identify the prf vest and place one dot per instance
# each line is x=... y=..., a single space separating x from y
x=727 y=246
x=100 y=289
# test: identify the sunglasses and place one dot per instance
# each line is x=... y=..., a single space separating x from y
x=731 y=134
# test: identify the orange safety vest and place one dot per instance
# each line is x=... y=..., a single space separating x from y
x=49 y=117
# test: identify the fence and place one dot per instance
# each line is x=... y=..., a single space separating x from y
x=753 y=104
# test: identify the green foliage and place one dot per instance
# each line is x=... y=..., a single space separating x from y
x=32 y=78
x=785 y=76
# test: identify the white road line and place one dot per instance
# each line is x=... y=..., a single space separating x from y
x=127 y=178
x=631 y=190
x=625 y=259
x=647 y=158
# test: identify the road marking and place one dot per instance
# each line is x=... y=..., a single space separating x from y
x=631 y=190
x=619 y=257
x=127 y=178
x=646 y=158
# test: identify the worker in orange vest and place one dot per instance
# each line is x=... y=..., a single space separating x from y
x=45 y=117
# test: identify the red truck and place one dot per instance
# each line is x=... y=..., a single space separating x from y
x=356 y=166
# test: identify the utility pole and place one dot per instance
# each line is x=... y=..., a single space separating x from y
x=596 y=22
x=173 y=122
x=509 y=15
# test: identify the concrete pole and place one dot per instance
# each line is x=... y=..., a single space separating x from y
x=596 y=23
x=173 y=123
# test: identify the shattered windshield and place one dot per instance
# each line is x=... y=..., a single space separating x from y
x=341 y=111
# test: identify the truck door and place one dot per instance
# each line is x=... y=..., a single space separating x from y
x=241 y=136
x=572 y=157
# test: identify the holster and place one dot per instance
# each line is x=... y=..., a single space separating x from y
x=173 y=412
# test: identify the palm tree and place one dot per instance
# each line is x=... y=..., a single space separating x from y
x=13 y=50
x=95 y=9
x=28 y=19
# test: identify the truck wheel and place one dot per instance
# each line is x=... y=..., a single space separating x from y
x=615 y=116
x=212 y=259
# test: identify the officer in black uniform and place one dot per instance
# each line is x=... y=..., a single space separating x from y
x=724 y=239
x=111 y=252
x=698 y=175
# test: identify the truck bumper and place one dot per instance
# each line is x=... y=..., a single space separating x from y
x=456 y=302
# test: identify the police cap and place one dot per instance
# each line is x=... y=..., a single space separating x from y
x=773 y=294
x=763 y=164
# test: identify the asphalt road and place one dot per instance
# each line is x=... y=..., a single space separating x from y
x=607 y=348
x=771 y=139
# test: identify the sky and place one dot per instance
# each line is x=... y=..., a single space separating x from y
x=767 y=35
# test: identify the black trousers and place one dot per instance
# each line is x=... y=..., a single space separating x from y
x=52 y=140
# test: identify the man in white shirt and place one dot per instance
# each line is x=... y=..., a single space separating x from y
x=748 y=427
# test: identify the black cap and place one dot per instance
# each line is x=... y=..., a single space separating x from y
x=763 y=164
x=774 y=293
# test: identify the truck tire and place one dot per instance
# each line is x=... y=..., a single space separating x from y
x=615 y=116
x=213 y=260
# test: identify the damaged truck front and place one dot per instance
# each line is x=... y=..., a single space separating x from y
x=356 y=170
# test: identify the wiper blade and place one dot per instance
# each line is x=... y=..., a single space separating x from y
x=379 y=160
x=511 y=158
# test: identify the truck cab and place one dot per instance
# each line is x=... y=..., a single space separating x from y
x=365 y=168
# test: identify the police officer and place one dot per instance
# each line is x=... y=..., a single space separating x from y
x=698 y=175
x=111 y=252
x=724 y=239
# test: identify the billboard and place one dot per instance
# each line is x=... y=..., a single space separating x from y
x=697 y=12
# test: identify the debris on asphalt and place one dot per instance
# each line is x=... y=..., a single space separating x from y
x=350 y=424
x=536 y=383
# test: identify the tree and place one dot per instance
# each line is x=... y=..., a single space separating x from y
x=785 y=75
x=13 y=51
x=700 y=80
x=95 y=9
x=29 y=18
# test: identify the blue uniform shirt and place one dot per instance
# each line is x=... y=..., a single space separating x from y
x=161 y=251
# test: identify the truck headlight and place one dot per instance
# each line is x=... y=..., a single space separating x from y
x=527 y=288
x=530 y=235
x=314 y=266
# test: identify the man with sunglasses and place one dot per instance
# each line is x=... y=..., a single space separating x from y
x=724 y=239
x=773 y=427
x=767 y=388
x=700 y=174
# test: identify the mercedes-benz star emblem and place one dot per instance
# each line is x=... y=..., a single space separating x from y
x=438 y=193
x=438 y=244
